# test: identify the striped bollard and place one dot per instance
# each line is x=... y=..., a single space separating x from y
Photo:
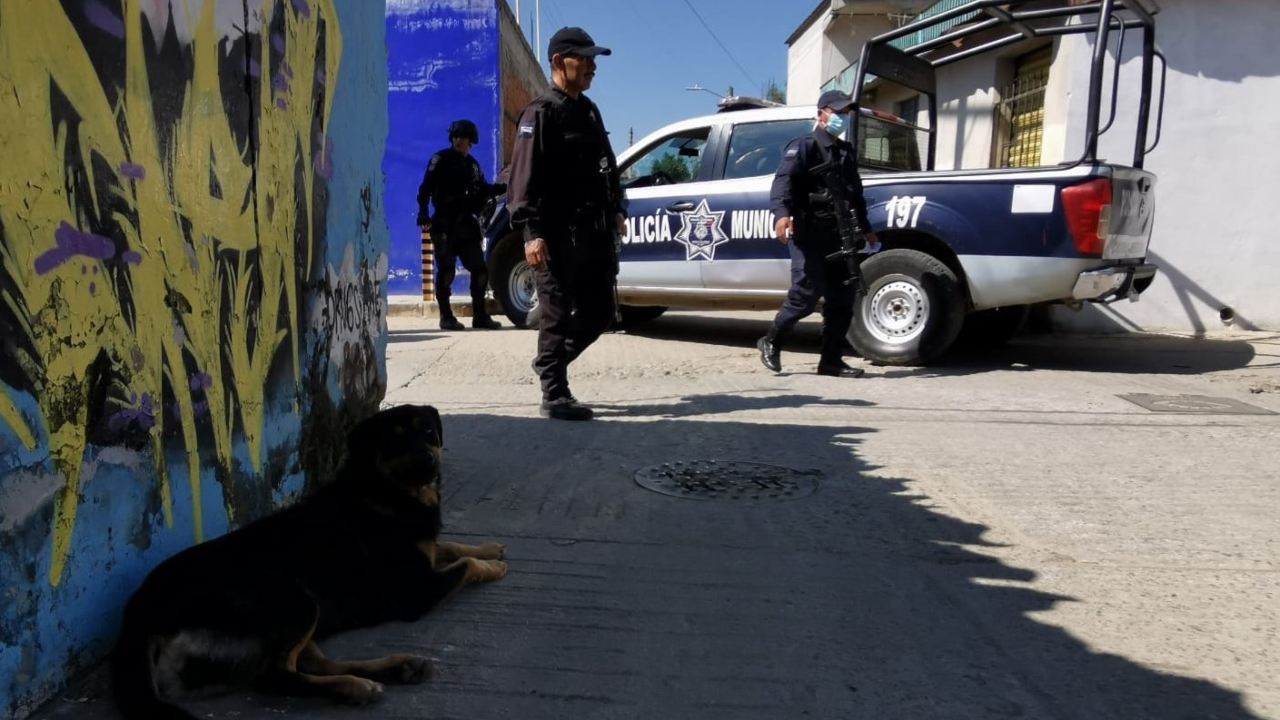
x=428 y=266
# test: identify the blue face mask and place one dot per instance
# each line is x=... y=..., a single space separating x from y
x=837 y=124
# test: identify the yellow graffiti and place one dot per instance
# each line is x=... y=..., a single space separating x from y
x=212 y=290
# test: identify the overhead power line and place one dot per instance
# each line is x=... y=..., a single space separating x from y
x=711 y=32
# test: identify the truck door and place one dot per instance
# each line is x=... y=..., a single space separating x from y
x=661 y=181
x=750 y=258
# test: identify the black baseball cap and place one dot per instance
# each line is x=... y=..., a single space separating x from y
x=836 y=100
x=574 y=41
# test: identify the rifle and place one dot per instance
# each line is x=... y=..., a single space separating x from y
x=852 y=239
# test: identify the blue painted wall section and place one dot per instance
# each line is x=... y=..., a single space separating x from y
x=443 y=60
x=193 y=264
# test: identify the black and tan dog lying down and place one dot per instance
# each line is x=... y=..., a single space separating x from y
x=248 y=607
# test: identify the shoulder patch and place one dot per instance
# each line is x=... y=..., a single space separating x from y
x=526 y=130
x=792 y=152
x=435 y=160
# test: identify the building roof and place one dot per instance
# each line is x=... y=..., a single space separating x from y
x=818 y=12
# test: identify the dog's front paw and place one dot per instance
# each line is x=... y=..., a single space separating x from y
x=359 y=691
x=412 y=670
x=497 y=570
x=491 y=551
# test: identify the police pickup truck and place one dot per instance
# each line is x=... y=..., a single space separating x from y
x=975 y=247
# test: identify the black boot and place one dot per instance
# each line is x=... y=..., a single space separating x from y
x=770 y=353
x=449 y=322
x=565 y=408
x=484 y=322
x=839 y=368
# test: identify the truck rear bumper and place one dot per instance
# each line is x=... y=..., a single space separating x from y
x=1113 y=283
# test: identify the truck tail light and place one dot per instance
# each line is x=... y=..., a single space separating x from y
x=1088 y=210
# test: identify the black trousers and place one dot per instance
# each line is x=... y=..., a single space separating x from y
x=575 y=294
x=814 y=277
x=458 y=238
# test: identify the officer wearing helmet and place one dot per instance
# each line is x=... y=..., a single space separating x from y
x=455 y=185
x=809 y=227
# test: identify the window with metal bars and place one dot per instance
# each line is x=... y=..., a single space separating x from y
x=1020 y=113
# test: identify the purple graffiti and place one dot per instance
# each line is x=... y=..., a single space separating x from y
x=323 y=163
x=320 y=77
x=103 y=19
x=93 y=289
x=280 y=84
x=280 y=103
x=201 y=381
x=70 y=242
x=131 y=170
x=288 y=71
x=132 y=257
x=144 y=414
x=277 y=42
x=255 y=70
x=302 y=8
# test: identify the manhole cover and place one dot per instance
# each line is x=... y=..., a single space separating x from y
x=1194 y=404
x=731 y=480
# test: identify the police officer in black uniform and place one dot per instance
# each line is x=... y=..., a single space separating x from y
x=567 y=198
x=809 y=226
x=456 y=184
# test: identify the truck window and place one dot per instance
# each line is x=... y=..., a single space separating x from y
x=756 y=148
x=672 y=160
x=890 y=146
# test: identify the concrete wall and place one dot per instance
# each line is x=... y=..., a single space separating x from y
x=805 y=64
x=192 y=264
x=826 y=48
x=1217 y=162
x=523 y=79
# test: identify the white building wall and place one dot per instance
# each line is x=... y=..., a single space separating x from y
x=966 y=116
x=1218 y=167
x=804 y=66
x=826 y=48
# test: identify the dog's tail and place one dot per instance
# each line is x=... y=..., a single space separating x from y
x=133 y=679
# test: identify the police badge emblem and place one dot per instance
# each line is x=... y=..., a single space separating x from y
x=700 y=232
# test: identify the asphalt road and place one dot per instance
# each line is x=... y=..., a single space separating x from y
x=1000 y=536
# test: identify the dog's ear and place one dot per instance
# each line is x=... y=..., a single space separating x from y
x=436 y=424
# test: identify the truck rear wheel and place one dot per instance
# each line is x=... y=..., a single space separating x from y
x=512 y=280
x=912 y=311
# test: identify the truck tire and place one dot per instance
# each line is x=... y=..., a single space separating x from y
x=912 y=312
x=512 y=280
x=633 y=314
x=994 y=327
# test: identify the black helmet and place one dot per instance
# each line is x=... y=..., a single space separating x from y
x=466 y=129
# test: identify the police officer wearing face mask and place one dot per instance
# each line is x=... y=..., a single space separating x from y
x=456 y=185
x=809 y=227
x=566 y=196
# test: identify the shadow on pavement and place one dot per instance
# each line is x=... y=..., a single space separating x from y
x=719 y=403
x=1116 y=353
x=859 y=601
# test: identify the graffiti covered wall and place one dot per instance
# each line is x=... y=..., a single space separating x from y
x=193 y=257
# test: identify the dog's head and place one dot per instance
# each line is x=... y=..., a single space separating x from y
x=400 y=447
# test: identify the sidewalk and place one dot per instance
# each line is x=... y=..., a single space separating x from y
x=999 y=537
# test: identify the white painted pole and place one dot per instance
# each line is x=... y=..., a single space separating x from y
x=518 y=21
x=537 y=26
